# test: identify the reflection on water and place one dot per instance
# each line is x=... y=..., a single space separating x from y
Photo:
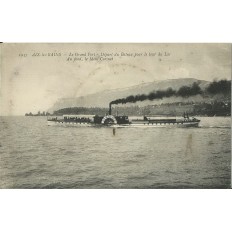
x=33 y=155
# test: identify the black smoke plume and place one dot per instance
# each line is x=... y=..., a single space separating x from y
x=184 y=91
x=219 y=87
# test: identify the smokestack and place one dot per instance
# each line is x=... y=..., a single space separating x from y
x=110 y=109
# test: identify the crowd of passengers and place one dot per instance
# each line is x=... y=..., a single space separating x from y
x=76 y=119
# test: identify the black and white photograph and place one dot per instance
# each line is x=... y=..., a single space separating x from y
x=115 y=116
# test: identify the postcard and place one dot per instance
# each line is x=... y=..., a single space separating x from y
x=115 y=116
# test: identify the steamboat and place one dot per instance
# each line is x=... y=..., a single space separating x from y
x=110 y=120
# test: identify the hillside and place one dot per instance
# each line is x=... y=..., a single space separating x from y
x=102 y=99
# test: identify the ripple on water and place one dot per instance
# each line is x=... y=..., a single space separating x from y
x=34 y=155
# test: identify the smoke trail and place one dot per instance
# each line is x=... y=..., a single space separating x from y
x=218 y=87
x=184 y=91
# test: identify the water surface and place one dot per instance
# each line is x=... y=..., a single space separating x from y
x=34 y=155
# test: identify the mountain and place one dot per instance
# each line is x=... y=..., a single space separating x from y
x=103 y=98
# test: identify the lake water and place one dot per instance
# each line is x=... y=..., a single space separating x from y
x=34 y=155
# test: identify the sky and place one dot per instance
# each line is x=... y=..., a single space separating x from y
x=34 y=76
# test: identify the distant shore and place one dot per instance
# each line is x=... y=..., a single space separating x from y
x=168 y=109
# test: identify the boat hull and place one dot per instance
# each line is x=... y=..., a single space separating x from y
x=61 y=123
x=139 y=125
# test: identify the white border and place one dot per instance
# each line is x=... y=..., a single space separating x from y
x=116 y=21
x=115 y=210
